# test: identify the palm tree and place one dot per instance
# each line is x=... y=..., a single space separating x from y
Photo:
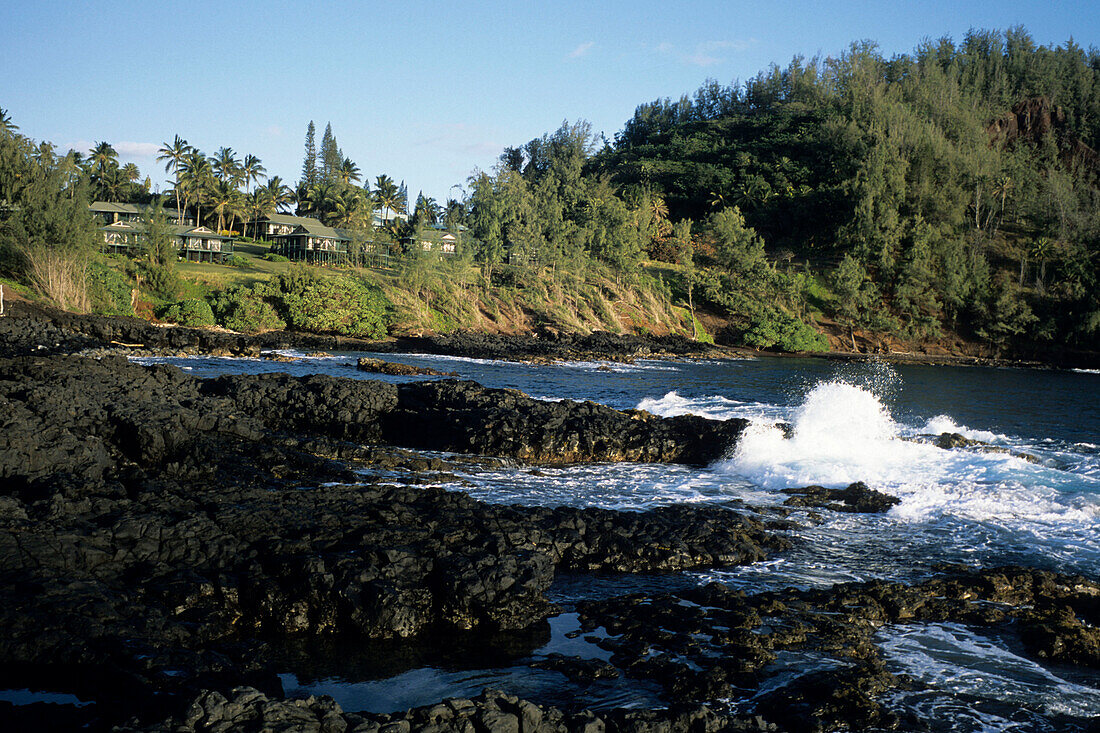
x=658 y=211
x=226 y=166
x=349 y=172
x=111 y=183
x=386 y=195
x=172 y=155
x=102 y=161
x=427 y=210
x=313 y=200
x=281 y=194
x=223 y=195
x=44 y=154
x=252 y=170
x=348 y=207
x=196 y=176
x=6 y=125
x=260 y=203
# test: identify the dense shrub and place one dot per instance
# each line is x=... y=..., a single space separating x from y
x=160 y=281
x=236 y=261
x=245 y=309
x=191 y=312
x=272 y=257
x=778 y=330
x=109 y=291
x=343 y=305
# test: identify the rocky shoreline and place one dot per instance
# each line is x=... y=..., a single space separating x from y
x=169 y=545
x=31 y=328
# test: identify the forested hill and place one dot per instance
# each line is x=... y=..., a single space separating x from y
x=950 y=191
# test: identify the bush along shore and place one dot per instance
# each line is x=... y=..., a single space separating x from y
x=170 y=545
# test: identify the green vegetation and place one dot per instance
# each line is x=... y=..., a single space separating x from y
x=246 y=309
x=951 y=190
x=193 y=312
x=946 y=195
x=343 y=305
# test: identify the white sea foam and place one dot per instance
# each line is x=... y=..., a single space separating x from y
x=944 y=424
x=843 y=433
x=714 y=407
x=954 y=660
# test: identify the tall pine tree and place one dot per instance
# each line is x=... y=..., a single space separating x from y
x=331 y=157
x=309 y=165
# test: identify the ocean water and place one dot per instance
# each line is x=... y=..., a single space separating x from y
x=848 y=423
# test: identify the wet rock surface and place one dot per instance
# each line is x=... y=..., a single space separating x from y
x=857 y=497
x=713 y=643
x=378 y=366
x=949 y=441
x=168 y=545
x=493 y=711
x=156 y=529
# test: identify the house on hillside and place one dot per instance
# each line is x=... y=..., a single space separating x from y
x=314 y=243
x=121 y=237
x=381 y=219
x=273 y=225
x=199 y=244
x=195 y=244
x=441 y=242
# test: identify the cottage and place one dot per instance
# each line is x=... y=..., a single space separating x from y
x=195 y=244
x=199 y=244
x=273 y=225
x=314 y=243
x=121 y=237
x=440 y=242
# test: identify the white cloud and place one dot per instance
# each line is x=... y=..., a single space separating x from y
x=582 y=50
x=706 y=53
x=137 y=150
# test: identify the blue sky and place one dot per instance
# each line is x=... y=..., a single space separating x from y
x=421 y=91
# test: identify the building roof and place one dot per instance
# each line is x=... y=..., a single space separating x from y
x=110 y=207
x=316 y=229
x=288 y=219
x=189 y=231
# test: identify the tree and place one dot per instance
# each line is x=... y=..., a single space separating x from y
x=280 y=194
x=159 y=243
x=222 y=199
x=427 y=210
x=6 y=124
x=252 y=170
x=486 y=223
x=309 y=165
x=685 y=250
x=103 y=167
x=172 y=155
x=196 y=178
x=738 y=248
x=331 y=157
x=349 y=172
x=226 y=167
x=386 y=195
x=46 y=236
